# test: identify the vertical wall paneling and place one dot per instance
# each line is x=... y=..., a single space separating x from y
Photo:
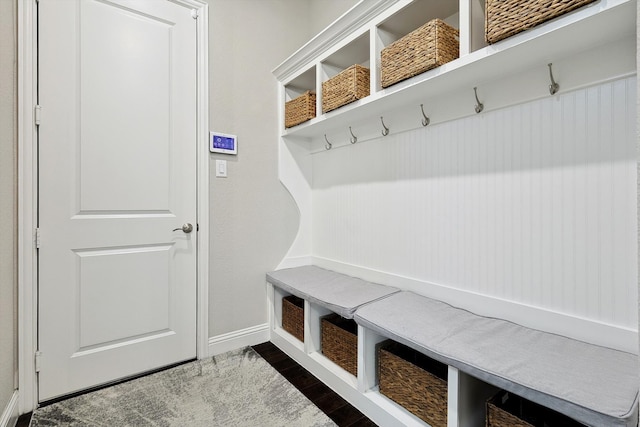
x=533 y=204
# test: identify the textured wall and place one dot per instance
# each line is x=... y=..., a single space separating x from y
x=8 y=345
x=253 y=218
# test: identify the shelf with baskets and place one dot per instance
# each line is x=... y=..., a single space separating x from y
x=593 y=24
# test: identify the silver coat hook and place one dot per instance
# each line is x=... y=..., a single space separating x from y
x=425 y=120
x=385 y=130
x=479 y=105
x=553 y=87
x=328 y=145
x=354 y=138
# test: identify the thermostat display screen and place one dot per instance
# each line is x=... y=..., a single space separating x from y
x=223 y=143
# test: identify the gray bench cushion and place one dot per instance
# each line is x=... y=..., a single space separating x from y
x=337 y=292
x=595 y=385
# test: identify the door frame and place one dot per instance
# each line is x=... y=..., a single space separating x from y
x=28 y=193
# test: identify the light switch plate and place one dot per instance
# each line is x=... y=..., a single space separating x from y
x=221 y=168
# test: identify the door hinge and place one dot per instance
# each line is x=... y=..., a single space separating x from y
x=194 y=13
x=37 y=114
x=38 y=357
x=37 y=238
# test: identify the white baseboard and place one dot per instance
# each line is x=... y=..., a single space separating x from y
x=238 y=339
x=10 y=414
x=582 y=329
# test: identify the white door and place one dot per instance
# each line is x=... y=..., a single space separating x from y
x=117 y=174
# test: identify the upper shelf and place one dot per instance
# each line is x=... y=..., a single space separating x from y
x=600 y=23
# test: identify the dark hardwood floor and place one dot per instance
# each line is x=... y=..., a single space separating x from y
x=336 y=408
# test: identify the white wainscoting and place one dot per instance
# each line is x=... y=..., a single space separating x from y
x=533 y=204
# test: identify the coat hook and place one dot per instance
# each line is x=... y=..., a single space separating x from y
x=328 y=145
x=553 y=87
x=385 y=130
x=479 y=105
x=425 y=120
x=354 y=138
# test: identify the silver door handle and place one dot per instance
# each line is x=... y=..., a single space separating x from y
x=186 y=227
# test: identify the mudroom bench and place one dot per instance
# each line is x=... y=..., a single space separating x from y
x=594 y=385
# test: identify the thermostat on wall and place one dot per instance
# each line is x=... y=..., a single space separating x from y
x=223 y=143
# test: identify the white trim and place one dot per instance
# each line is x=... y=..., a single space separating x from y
x=612 y=336
x=202 y=310
x=10 y=414
x=27 y=204
x=27 y=195
x=238 y=339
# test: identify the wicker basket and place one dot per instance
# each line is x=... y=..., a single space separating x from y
x=340 y=342
x=414 y=381
x=348 y=86
x=300 y=109
x=293 y=316
x=504 y=18
x=433 y=44
x=508 y=410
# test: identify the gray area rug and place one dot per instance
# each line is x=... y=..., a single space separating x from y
x=238 y=388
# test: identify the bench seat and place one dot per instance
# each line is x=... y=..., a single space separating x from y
x=337 y=292
x=595 y=385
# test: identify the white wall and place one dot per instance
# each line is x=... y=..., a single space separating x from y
x=8 y=226
x=323 y=12
x=253 y=218
x=533 y=204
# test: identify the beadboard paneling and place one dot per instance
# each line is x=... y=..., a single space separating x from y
x=534 y=204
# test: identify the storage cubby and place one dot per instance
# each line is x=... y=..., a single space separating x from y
x=415 y=15
x=507 y=409
x=293 y=316
x=345 y=75
x=476 y=27
x=409 y=42
x=340 y=342
x=306 y=81
x=414 y=381
x=300 y=99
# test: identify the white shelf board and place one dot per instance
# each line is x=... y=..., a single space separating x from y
x=403 y=416
x=286 y=336
x=602 y=22
x=345 y=376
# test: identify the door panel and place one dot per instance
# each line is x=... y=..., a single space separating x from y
x=117 y=291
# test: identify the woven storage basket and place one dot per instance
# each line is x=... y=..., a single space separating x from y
x=348 y=86
x=433 y=44
x=293 y=316
x=300 y=109
x=414 y=381
x=340 y=342
x=504 y=18
x=508 y=410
